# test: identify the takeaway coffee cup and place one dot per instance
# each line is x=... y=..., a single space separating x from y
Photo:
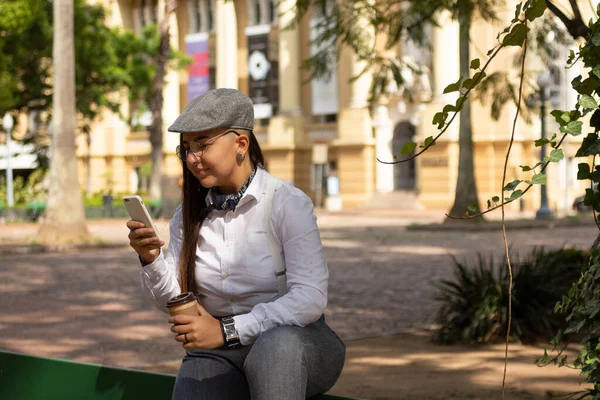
x=183 y=304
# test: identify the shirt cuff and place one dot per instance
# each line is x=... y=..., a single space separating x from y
x=248 y=328
x=154 y=270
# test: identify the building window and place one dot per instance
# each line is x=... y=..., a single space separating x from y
x=262 y=12
x=202 y=15
x=272 y=12
x=144 y=13
x=209 y=15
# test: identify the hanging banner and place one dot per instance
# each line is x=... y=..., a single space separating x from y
x=196 y=46
x=260 y=70
x=324 y=93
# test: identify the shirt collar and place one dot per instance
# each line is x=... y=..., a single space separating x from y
x=255 y=190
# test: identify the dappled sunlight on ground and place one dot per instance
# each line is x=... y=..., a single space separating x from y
x=41 y=347
x=88 y=306
x=410 y=366
x=136 y=332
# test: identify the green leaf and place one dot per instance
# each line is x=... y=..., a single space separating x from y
x=453 y=87
x=575 y=327
x=587 y=86
x=495 y=199
x=472 y=207
x=468 y=83
x=572 y=128
x=561 y=117
x=408 y=148
x=538 y=179
x=515 y=195
x=571 y=56
x=595 y=120
x=536 y=9
x=596 y=70
x=512 y=185
x=475 y=64
x=449 y=108
x=478 y=76
x=590 y=146
x=587 y=102
x=555 y=156
x=540 y=142
x=516 y=37
x=526 y=168
x=439 y=119
x=429 y=141
x=506 y=30
x=583 y=171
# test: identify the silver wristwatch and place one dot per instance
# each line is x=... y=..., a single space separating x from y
x=230 y=334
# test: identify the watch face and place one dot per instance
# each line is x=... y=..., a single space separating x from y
x=230 y=331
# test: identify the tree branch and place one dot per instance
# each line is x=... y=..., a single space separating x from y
x=576 y=27
x=575 y=8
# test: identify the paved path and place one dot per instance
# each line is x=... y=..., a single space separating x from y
x=88 y=306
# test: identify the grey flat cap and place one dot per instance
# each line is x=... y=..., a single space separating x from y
x=217 y=108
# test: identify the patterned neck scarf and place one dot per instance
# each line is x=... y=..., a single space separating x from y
x=230 y=201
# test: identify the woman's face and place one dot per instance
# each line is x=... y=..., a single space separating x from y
x=212 y=158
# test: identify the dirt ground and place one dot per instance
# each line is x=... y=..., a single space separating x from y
x=93 y=310
x=409 y=366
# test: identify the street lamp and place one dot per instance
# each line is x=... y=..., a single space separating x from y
x=7 y=125
x=544 y=81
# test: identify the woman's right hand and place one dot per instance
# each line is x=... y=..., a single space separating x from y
x=144 y=241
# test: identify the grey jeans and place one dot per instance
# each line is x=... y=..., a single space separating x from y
x=285 y=363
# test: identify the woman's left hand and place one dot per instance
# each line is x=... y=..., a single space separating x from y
x=201 y=332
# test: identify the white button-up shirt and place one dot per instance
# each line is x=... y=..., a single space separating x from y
x=235 y=273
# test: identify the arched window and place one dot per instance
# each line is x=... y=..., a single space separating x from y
x=262 y=12
x=144 y=13
x=201 y=16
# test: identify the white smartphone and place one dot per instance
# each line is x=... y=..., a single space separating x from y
x=138 y=212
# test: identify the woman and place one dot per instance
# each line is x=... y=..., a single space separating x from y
x=237 y=226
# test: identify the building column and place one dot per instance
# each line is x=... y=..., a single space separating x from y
x=355 y=142
x=286 y=129
x=227 y=74
x=438 y=166
x=354 y=120
x=445 y=71
x=289 y=61
x=384 y=135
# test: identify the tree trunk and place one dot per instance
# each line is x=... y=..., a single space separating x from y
x=466 y=187
x=64 y=221
x=157 y=100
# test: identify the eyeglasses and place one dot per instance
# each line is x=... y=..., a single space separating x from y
x=197 y=148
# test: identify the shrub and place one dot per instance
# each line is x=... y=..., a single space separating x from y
x=474 y=306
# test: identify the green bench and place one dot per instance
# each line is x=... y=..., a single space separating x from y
x=24 y=377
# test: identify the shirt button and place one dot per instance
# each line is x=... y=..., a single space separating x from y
x=232 y=299
x=225 y=276
x=227 y=244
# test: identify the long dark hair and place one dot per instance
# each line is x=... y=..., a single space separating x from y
x=195 y=211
